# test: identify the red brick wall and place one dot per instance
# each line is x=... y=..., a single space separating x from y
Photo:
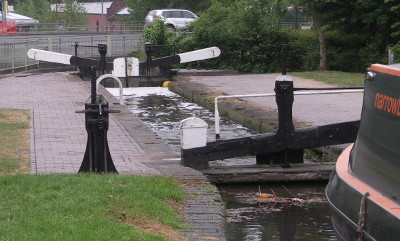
x=113 y=25
x=115 y=7
x=92 y=22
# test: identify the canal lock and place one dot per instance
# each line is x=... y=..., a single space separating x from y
x=298 y=211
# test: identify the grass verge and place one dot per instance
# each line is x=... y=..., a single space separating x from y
x=89 y=207
x=79 y=207
x=14 y=141
x=342 y=79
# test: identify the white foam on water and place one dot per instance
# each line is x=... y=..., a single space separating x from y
x=142 y=91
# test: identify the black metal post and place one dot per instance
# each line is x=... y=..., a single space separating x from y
x=126 y=73
x=102 y=51
x=97 y=156
x=76 y=55
x=286 y=136
x=284 y=58
x=148 y=48
x=93 y=92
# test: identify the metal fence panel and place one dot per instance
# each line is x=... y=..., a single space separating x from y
x=13 y=53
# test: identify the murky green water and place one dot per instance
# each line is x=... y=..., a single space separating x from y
x=299 y=211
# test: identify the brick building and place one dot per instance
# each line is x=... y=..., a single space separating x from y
x=102 y=17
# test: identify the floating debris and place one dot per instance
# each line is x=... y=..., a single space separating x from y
x=265 y=195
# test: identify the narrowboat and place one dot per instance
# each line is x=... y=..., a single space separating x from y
x=364 y=189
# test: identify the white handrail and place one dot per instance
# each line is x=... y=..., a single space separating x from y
x=217 y=117
x=121 y=93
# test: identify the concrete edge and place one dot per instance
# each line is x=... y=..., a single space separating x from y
x=204 y=210
x=203 y=72
x=32 y=145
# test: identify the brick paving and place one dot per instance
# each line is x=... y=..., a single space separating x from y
x=310 y=109
x=58 y=141
x=58 y=136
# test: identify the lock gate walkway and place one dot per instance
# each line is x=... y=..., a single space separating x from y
x=310 y=110
x=260 y=114
x=58 y=142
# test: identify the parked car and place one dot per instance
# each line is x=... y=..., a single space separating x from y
x=175 y=18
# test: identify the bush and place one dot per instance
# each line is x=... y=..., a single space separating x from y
x=160 y=34
x=304 y=50
x=250 y=41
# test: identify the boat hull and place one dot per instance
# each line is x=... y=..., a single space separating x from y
x=364 y=189
x=345 y=193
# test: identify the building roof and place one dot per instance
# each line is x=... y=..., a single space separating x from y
x=20 y=20
x=124 y=11
x=90 y=8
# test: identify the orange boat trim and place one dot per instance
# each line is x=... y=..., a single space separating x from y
x=385 y=69
x=344 y=172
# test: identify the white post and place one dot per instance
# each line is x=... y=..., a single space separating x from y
x=217 y=135
x=109 y=46
x=102 y=16
x=49 y=44
x=193 y=133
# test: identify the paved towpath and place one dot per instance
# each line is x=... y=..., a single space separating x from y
x=310 y=109
x=58 y=142
x=58 y=134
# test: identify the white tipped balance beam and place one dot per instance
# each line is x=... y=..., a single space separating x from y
x=200 y=54
x=121 y=67
x=43 y=55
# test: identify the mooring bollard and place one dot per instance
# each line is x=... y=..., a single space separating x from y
x=97 y=156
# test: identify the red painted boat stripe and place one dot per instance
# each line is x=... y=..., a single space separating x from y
x=344 y=172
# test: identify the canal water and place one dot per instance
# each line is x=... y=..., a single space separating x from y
x=295 y=212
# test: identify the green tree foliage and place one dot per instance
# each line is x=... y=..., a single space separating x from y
x=357 y=34
x=395 y=9
x=369 y=23
x=245 y=31
x=12 y=2
x=160 y=34
x=140 y=8
x=40 y=10
x=37 y=9
x=74 y=13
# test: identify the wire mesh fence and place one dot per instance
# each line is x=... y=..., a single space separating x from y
x=13 y=52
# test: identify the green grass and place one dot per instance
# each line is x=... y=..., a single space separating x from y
x=14 y=141
x=342 y=79
x=88 y=207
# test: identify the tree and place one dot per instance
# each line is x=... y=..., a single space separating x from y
x=313 y=7
x=74 y=13
x=396 y=25
x=140 y=8
x=321 y=36
x=37 y=9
